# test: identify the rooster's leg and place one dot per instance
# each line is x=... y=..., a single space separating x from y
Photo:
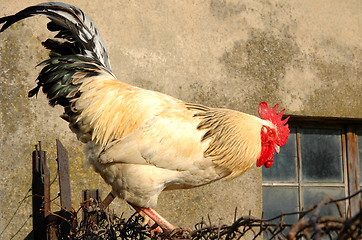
x=155 y=217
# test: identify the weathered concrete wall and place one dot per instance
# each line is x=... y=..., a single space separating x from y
x=304 y=55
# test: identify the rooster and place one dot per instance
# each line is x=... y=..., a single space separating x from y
x=143 y=142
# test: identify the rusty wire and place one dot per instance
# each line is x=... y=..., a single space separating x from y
x=15 y=213
x=103 y=224
x=100 y=223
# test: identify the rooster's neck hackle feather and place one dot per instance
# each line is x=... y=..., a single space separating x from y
x=234 y=137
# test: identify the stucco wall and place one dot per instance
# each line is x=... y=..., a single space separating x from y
x=304 y=55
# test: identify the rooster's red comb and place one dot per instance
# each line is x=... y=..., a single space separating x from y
x=271 y=114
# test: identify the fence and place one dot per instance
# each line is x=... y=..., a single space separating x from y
x=98 y=222
x=58 y=225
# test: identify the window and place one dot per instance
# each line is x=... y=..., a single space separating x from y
x=320 y=158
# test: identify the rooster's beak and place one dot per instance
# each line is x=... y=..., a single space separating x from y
x=277 y=149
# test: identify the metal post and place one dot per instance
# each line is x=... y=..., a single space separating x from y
x=92 y=200
x=41 y=193
x=65 y=193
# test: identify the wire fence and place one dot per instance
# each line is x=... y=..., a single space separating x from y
x=99 y=222
x=103 y=224
x=94 y=220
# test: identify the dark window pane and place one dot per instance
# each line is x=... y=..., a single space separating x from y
x=284 y=168
x=359 y=134
x=314 y=195
x=321 y=154
x=278 y=200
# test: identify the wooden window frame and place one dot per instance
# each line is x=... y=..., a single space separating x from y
x=348 y=128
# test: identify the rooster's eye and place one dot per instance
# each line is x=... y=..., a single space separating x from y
x=271 y=133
